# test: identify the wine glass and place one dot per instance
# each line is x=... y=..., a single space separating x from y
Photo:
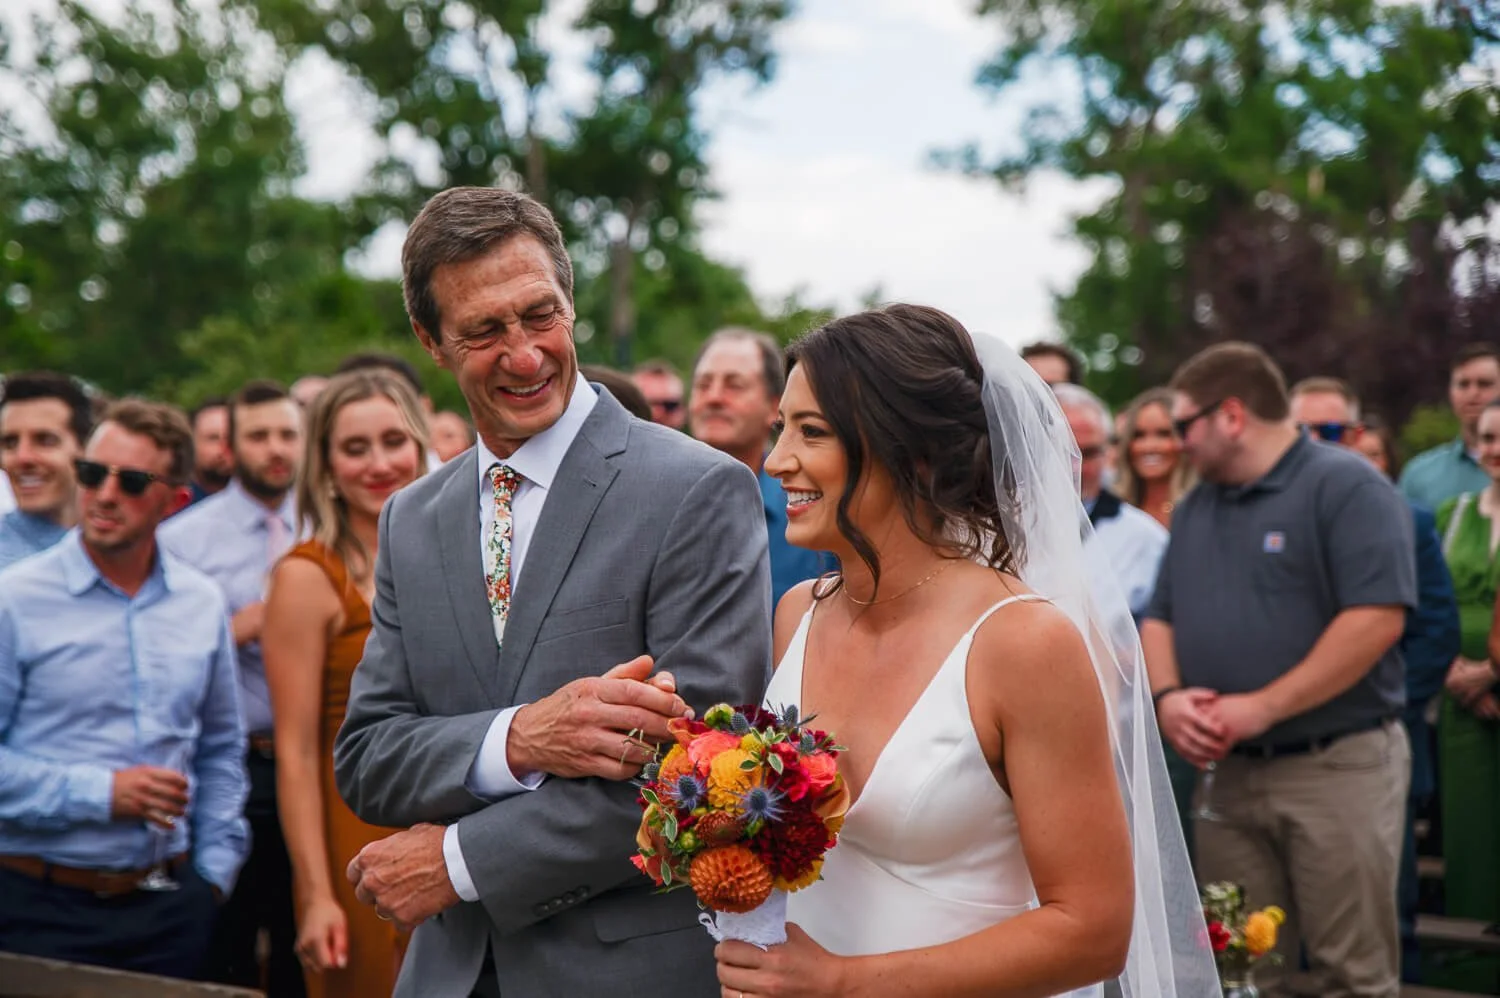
x=1207 y=809
x=173 y=755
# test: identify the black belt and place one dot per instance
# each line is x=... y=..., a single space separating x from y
x=1265 y=752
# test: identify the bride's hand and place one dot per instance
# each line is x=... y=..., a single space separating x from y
x=798 y=968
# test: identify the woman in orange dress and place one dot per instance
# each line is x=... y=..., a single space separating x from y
x=365 y=440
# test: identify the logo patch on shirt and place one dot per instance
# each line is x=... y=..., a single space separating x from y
x=1274 y=542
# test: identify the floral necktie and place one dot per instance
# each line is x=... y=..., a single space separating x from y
x=503 y=483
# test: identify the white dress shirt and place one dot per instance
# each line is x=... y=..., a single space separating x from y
x=536 y=461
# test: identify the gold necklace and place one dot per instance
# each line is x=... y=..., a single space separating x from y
x=905 y=592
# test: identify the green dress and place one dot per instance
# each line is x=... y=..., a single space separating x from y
x=1469 y=750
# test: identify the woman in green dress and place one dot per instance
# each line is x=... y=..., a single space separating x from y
x=1469 y=722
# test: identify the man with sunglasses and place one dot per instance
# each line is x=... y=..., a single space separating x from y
x=1271 y=642
x=44 y=420
x=662 y=386
x=121 y=746
x=1328 y=408
x=235 y=537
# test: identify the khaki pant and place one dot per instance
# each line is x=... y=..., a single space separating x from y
x=1319 y=835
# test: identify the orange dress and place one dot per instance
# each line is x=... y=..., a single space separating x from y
x=375 y=947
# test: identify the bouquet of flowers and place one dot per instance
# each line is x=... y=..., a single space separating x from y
x=741 y=808
x=1240 y=940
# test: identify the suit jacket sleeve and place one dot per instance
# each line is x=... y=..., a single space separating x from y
x=394 y=765
x=708 y=621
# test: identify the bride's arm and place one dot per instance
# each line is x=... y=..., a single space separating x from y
x=1030 y=676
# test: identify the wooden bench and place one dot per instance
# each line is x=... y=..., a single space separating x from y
x=1442 y=932
x=32 y=977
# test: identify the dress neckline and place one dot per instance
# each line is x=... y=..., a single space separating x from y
x=800 y=641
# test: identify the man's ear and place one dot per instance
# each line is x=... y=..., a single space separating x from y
x=430 y=344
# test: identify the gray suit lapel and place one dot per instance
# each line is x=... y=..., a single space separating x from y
x=582 y=479
x=458 y=539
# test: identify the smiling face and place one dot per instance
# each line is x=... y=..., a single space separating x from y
x=1489 y=442
x=813 y=468
x=113 y=521
x=1154 y=450
x=507 y=336
x=37 y=451
x=371 y=454
x=732 y=409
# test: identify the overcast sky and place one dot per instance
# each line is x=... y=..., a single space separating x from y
x=824 y=174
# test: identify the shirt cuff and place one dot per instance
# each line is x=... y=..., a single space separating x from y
x=90 y=793
x=458 y=870
x=490 y=776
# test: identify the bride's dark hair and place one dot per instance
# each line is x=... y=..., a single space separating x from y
x=901 y=388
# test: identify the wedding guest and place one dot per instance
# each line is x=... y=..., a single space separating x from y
x=213 y=464
x=1131 y=542
x=451 y=435
x=306 y=389
x=1151 y=471
x=235 y=537
x=407 y=371
x=121 y=745
x=662 y=386
x=364 y=442
x=1329 y=409
x=1469 y=718
x=1378 y=444
x=1437 y=475
x=1272 y=645
x=622 y=387
x=1054 y=363
x=45 y=418
x=738 y=378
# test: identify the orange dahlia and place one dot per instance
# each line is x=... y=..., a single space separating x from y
x=730 y=878
x=719 y=828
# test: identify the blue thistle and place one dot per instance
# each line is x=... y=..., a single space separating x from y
x=789 y=716
x=761 y=804
x=689 y=791
x=651 y=771
x=807 y=745
x=739 y=723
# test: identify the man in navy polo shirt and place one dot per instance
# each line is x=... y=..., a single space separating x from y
x=1271 y=642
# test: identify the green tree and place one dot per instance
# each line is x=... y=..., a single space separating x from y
x=1310 y=175
x=622 y=167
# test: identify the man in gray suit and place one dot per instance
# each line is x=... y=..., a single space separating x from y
x=571 y=537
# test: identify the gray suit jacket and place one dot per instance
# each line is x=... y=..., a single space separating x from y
x=649 y=543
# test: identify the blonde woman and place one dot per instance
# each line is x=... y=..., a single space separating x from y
x=365 y=440
x=1152 y=474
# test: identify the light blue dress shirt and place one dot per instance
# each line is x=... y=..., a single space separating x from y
x=93 y=681
x=1132 y=544
x=23 y=535
x=227 y=538
x=1437 y=475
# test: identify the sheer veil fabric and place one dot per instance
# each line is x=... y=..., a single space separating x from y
x=1036 y=464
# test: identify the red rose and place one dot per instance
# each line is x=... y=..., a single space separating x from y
x=1218 y=936
x=792 y=780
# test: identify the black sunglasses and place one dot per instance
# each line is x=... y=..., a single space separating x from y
x=1181 y=426
x=1331 y=432
x=667 y=405
x=133 y=482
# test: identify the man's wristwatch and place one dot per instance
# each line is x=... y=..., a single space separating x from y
x=1156 y=697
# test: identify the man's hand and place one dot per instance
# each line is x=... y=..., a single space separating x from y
x=148 y=793
x=247 y=623
x=605 y=726
x=404 y=876
x=1486 y=708
x=1185 y=718
x=1242 y=716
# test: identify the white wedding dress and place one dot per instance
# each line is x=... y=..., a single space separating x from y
x=931 y=851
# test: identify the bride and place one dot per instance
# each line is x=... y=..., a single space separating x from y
x=1012 y=830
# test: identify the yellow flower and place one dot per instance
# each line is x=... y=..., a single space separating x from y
x=1260 y=933
x=727 y=782
x=750 y=742
x=1275 y=914
x=674 y=765
x=806 y=880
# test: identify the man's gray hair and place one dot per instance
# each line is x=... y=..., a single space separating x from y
x=1071 y=396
